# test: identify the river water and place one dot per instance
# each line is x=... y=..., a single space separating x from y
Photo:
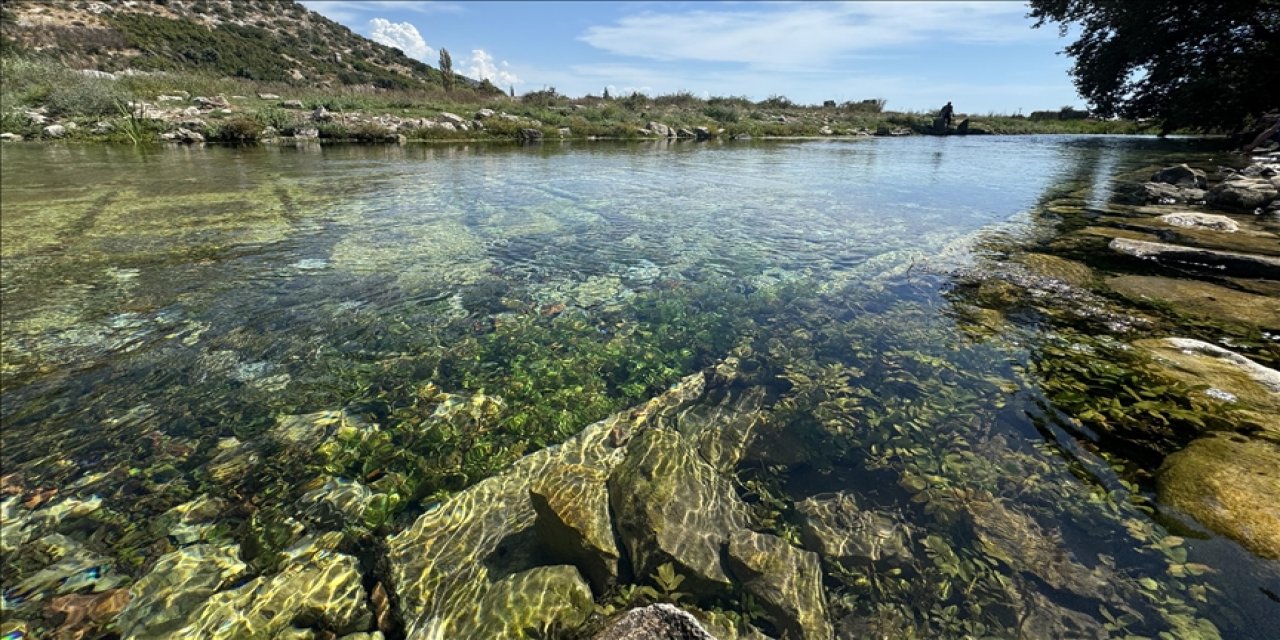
x=159 y=303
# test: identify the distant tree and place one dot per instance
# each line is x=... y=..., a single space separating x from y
x=512 y=87
x=1196 y=64
x=446 y=69
x=606 y=93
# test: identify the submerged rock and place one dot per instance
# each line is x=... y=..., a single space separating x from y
x=835 y=528
x=573 y=517
x=1250 y=387
x=442 y=566
x=786 y=581
x=1229 y=484
x=180 y=583
x=530 y=602
x=671 y=506
x=655 y=622
x=1181 y=175
x=1201 y=299
x=323 y=588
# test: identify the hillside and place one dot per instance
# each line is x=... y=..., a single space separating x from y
x=260 y=40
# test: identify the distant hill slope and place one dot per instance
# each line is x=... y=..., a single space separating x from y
x=263 y=40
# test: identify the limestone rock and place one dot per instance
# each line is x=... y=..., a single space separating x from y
x=1201 y=299
x=659 y=129
x=654 y=622
x=485 y=113
x=10 y=137
x=451 y=118
x=1212 y=221
x=321 y=114
x=268 y=96
x=1181 y=175
x=1230 y=262
x=531 y=601
x=1160 y=192
x=786 y=581
x=1229 y=484
x=163 y=601
x=573 y=520
x=529 y=135
x=1074 y=273
x=293 y=104
x=835 y=528
x=443 y=565
x=671 y=506
x=1243 y=193
x=724 y=430
x=55 y=131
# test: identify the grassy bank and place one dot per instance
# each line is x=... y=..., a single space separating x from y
x=130 y=108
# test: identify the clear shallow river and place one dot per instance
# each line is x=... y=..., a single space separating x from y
x=157 y=305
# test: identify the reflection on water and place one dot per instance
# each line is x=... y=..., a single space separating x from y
x=163 y=310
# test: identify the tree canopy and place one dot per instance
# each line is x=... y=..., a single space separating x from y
x=1191 y=64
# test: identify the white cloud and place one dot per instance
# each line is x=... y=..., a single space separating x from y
x=347 y=11
x=483 y=67
x=403 y=36
x=807 y=36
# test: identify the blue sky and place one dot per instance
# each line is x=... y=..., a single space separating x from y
x=983 y=56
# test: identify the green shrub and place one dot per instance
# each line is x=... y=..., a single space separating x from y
x=721 y=112
x=237 y=129
x=78 y=95
x=776 y=102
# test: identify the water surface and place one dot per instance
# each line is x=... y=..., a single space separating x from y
x=159 y=303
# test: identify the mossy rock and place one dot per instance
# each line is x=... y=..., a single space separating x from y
x=786 y=581
x=1230 y=484
x=672 y=506
x=1200 y=363
x=1076 y=274
x=1201 y=299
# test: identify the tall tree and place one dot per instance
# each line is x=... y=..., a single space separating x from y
x=1196 y=64
x=446 y=69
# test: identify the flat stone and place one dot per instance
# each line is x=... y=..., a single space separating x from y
x=1211 y=221
x=786 y=581
x=1181 y=175
x=1229 y=484
x=1074 y=273
x=1201 y=299
x=1229 y=262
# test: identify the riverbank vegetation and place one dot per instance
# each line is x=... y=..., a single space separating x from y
x=40 y=93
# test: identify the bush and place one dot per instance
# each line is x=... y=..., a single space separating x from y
x=79 y=95
x=721 y=113
x=238 y=129
x=872 y=105
x=677 y=99
x=776 y=102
